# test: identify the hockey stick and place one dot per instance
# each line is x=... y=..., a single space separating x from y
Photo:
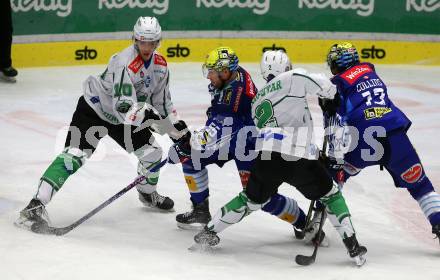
x=301 y=233
x=307 y=260
x=44 y=228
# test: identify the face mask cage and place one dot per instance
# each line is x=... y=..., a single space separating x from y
x=206 y=69
x=332 y=57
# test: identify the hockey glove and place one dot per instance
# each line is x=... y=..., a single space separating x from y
x=181 y=127
x=331 y=162
x=334 y=166
x=329 y=106
x=151 y=114
x=180 y=151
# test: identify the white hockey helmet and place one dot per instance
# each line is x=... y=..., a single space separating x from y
x=147 y=29
x=274 y=63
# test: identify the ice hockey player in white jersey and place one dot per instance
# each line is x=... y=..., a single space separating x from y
x=131 y=91
x=225 y=137
x=287 y=153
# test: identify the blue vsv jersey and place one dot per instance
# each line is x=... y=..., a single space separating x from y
x=230 y=111
x=235 y=99
x=365 y=102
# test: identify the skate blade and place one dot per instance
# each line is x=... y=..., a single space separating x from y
x=201 y=248
x=194 y=226
x=23 y=223
x=360 y=260
x=7 y=79
x=151 y=208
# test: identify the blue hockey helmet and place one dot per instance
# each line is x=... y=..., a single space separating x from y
x=341 y=57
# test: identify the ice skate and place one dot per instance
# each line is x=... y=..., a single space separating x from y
x=197 y=218
x=205 y=240
x=155 y=200
x=33 y=217
x=8 y=74
x=436 y=231
x=355 y=251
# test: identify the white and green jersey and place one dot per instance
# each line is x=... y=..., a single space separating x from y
x=127 y=88
x=281 y=112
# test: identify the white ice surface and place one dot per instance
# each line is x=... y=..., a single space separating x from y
x=126 y=241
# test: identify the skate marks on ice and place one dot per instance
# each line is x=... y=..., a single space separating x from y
x=33 y=121
x=408 y=217
x=418 y=87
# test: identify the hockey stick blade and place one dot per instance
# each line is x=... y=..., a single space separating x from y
x=44 y=228
x=305 y=260
x=308 y=260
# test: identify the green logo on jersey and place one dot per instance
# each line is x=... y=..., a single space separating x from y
x=123 y=89
x=267 y=89
x=264 y=114
x=124 y=106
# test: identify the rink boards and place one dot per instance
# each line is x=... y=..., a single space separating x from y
x=86 y=52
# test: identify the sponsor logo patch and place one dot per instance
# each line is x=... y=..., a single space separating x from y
x=136 y=64
x=160 y=60
x=147 y=81
x=227 y=97
x=250 y=90
x=376 y=112
x=237 y=99
x=94 y=99
x=412 y=174
x=192 y=185
x=355 y=72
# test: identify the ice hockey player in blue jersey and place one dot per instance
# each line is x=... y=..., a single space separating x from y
x=227 y=135
x=363 y=104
